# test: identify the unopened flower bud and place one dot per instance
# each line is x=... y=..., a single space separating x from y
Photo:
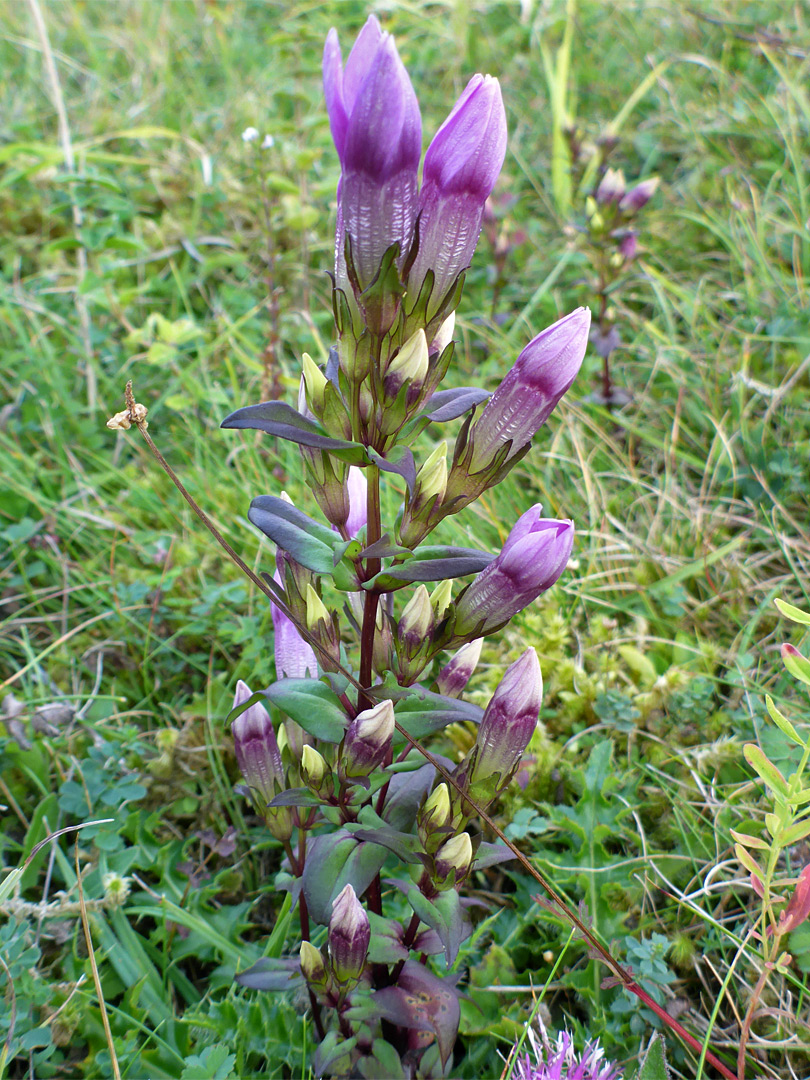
x=453 y=860
x=455 y=675
x=527 y=396
x=628 y=246
x=410 y=365
x=368 y=740
x=461 y=166
x=432 y=476
x=316 y=610
x=313 y=767
x=315 y=382
x=312 y=966
x=638 y=197
x=509 y=720
x=434 y=815
x=349 y=936
x=259 y=760
x=440 y=598
x=377 y=131
x=416 y=622
x=444 y=335
x=611 y=187
x=536 y=552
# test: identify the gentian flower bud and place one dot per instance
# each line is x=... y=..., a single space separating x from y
x=317 y=613
x=410 y=365
x=312 y=966
x=313 y=767
x=444 y=335
x=440 y=598
x=611 y=187
x=434 y=819
x=323 y=626
x=259 y=760
x=536 y=552
x=531 y=390
x=509 y=720
x=462 y=164
x=453 y=860
x=416 y=622
x=638 y=197
x=377 y=131
x=435 y=813
x=455 y=675
x=349 y=936
x=357 y=486
x=315 y=383
x=428 y=493
x=368 y=740
x=628 y=246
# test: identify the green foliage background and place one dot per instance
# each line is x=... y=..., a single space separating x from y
x=175 y=255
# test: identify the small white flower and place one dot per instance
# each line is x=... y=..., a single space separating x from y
x=268 y=142
x=249 y=135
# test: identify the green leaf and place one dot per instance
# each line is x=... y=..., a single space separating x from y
x=335 y=860
x=766 y=769
x=214 y=1063
x=312 y=705
x=796 y=664
x=654 y=1063
x=782 y=722
x=793 y=613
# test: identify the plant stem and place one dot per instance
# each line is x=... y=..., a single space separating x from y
x=749 y=1019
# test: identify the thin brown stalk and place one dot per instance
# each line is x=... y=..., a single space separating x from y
x=96 y=980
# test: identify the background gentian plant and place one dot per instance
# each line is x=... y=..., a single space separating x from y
x=377 y=847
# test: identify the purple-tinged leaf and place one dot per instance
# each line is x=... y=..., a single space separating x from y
x=386 y=941
x=296 y=797
x=403 y=845
x=447 y=405
x=399 y=460
x=422 y=1001
x=490 y=855
x=431 y=563
x=282 y=420
x=405 y=795
x=444 y=914
x=271 y=974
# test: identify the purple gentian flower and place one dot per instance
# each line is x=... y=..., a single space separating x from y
x=377 y=131
x=536 y=552
x=295 y=659
x=462 y=164
x=357 y=485
x=259 y=761
x=510 y=718
x=638 y=196
x=560 y=1061
x=529 y=393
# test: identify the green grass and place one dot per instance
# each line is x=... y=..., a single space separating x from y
x=202 y=279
